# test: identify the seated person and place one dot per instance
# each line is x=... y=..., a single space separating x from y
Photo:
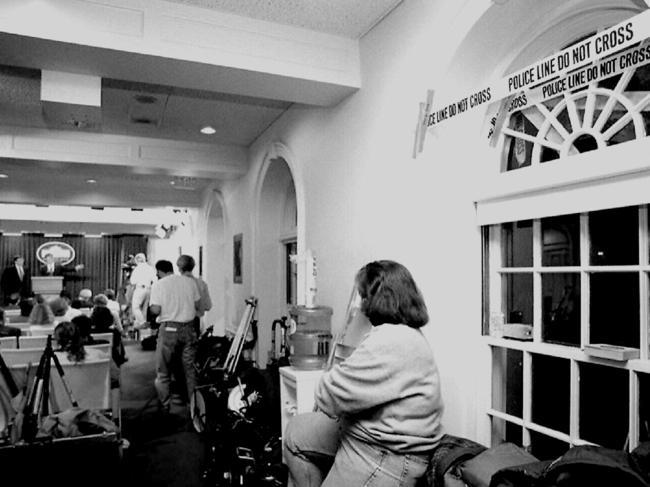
x=6 y=330
x=104 y=321
x=65 y=294
x=379 y=410
x=84 y=300
x=62 y=312
x=83 y=325
x=112 y=303
x=101 y=301
x=71 y=346
x=41 y=313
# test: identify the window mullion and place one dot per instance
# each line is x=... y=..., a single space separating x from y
x=584 y=279
x=574 y=403
x=643 y=282
x=527 y=391
x=633 y=434
x=537 y=281
x=497 y=298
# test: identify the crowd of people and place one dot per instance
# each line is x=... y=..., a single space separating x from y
x=378 y=411
x=170 y=304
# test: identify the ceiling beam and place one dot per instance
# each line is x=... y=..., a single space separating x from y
x=154 y=41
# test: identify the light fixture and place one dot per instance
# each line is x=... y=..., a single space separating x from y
x=91 y=181
x=4 y=176
x=208 y=130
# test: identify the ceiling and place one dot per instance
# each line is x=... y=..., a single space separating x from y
x=157 y=111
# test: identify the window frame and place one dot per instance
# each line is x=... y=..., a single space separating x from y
x=496 y=299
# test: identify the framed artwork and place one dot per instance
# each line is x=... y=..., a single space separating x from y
x=238 y=257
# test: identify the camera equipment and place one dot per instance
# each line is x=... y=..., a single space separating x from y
x=37 y=404
x=231 y=408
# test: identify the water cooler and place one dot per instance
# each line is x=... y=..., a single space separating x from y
x=309 y=336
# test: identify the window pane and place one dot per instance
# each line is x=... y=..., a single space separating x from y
x=546 y=448
x=561 y=308
x=519 y=298
x=507 y=381
x=561 y=240
x=551 y=392
x=614 y=236
x=517 y=244
x=604 y=405
x=503 y=431
x=614 y=305
x=644 y=407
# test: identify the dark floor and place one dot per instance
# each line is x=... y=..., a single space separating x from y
x=164 y=448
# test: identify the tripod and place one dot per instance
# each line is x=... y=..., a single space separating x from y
x=37 y=404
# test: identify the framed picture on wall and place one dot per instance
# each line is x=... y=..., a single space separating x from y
x=238 y=256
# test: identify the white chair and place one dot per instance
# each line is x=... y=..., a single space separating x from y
x=23 y=327
x=41 y=330
x=22 y=356
x=8 y=342
x=104 y=347
x=89 y=381
x=32 y=341
x=103 y=336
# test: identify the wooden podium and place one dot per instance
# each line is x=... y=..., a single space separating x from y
x=47 y=286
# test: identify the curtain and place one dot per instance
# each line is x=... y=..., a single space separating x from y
x=102 y=257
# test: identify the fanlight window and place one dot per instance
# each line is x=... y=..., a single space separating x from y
x=605 y=113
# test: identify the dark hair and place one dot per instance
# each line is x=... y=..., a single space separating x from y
x=165 y=266
x=185 y=263
x=84 y=325
x=16 y=257
x=70 y=340
x=389 y=295
x=65 y=294
x=101 y=319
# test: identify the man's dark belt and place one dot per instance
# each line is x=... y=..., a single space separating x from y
x=174 y=325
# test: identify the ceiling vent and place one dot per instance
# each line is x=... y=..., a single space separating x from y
x=145 y=99
x=143 y=121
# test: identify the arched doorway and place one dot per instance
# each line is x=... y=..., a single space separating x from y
x=276 y=239
x=213 y=265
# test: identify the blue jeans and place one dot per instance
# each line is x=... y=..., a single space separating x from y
x=313 y=441
x=175 y=340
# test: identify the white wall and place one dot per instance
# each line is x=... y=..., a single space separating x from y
x=366 y=198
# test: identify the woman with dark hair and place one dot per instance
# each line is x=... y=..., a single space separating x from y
x=71 y=342
x=379 y=411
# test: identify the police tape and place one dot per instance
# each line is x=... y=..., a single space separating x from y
x=578 y=65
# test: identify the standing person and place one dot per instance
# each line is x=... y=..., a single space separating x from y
x=174 y=300
x=186 y=265
x=380 y=409
x=54 y=268
x=16 y=281
x=142 y=277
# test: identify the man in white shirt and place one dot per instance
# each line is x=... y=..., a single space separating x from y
x=142 y=277
x=185 y=264
x=174 y=300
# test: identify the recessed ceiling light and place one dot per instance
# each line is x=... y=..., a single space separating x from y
x=172 y=183
x=207 y=130
x=4 y=176
x=91 y=181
